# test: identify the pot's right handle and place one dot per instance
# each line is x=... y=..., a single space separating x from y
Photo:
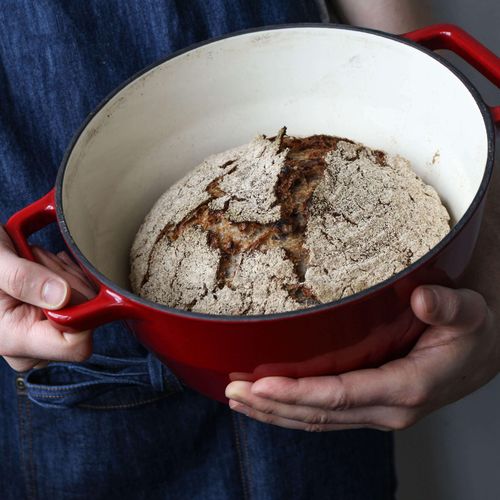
x=451 y=37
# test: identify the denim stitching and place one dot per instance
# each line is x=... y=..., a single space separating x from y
x=26 y=461
x=241 y=460
x=31 y=463
x=75 y=391
x=21 y=439
x=107 y=373
x=244 y=440
x=86 y=385
x=83 y=405
x=46 y=396
x=112 y=407
x=95 y=362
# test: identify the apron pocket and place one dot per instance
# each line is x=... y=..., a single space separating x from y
x=102 y=383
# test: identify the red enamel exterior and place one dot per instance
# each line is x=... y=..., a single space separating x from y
x=450 y=37
x=363 y=333
x=206 y=352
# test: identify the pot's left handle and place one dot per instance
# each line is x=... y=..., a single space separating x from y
x=451 y=37
x=105 y=307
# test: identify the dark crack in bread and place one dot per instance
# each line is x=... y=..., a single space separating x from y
x=283 y=223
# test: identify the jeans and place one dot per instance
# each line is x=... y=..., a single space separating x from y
x=121 y=425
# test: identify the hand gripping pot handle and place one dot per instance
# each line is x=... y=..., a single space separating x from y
x=451 y=37
x=105 y=307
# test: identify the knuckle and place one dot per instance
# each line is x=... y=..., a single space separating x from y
x=265 y=418
x=313 y=428
x=317 y=418
x=268 y=410
x=453 y=306
x=472 y=307
x=339 y=400
x=16 y=281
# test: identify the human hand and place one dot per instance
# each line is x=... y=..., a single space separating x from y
x=26 y=336
x=458 y=353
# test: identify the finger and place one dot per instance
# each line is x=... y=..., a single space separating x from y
x=25 y=364
x=42 y=341
x=54 y=262
x=72 y=267
x=31 y=282
x=41 y=363
x=375 y=416
x=440 y=306
x=66 y=258
x=389 y=385
x=80 y=287
x=266 y=418
x=43 y=256
x=21 y=364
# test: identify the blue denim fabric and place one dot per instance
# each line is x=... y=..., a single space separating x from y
x=103 y=382
x=121 y=425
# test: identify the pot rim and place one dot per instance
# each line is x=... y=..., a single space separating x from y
x=359 y=296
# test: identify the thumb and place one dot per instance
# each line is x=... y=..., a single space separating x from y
x=440 y=306
x=31 y=282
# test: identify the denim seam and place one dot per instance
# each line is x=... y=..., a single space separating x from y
x=42 y=396
x=31 y=463
x=88 y=385
x=241 y=460
x=244 y=441
x=21 y=441
x=112 y=407
x=46 y=396
x=22 y=437
x=69 y=393
x=98 y=375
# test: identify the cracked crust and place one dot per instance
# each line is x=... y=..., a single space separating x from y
x=370 y=217
x=283 y=223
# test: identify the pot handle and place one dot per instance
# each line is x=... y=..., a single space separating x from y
x=451 y=37
x=106 y=306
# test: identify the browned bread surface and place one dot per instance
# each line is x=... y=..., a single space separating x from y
x=284 y=223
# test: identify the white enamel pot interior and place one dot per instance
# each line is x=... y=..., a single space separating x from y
x=384 y=92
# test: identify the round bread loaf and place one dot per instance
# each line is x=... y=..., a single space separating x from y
x=283 y=223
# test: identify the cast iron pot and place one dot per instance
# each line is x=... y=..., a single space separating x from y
x=388 y=92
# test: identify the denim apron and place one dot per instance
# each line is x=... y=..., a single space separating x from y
x=121 y=426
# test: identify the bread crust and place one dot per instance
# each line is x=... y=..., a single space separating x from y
x=283 y=223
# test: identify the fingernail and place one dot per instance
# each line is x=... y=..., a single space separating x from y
x=234 y=390
x=54 y=292
x=430 y=300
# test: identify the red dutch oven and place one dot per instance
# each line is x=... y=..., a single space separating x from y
x=388 y=92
